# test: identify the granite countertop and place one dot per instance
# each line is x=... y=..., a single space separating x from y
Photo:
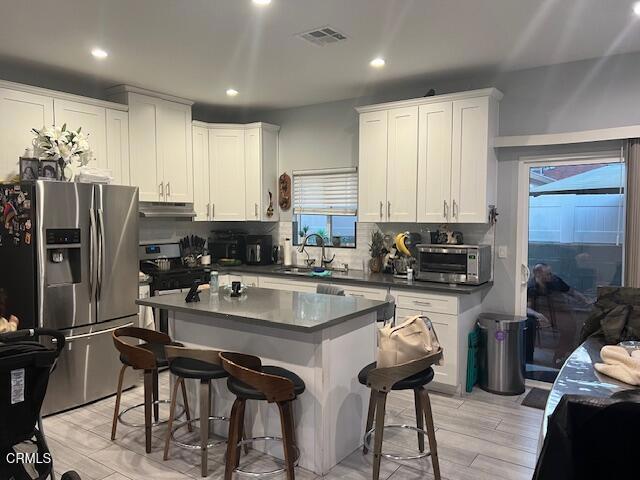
x=359 y=277
x=305 y=312
x=578 y=377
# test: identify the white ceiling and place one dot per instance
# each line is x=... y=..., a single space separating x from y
x=198 y=48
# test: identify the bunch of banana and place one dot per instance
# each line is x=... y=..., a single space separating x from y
x=400 y=244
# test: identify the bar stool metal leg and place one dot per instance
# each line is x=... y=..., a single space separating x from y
x=116 y=411
x=419 y=419
x=377 y=446
x=431 y=432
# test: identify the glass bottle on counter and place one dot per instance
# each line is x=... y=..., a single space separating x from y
x=213 y=283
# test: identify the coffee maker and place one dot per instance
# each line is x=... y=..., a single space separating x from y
x=259 y=250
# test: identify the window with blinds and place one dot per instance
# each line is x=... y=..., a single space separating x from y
x=325 y=192
x=325 y=202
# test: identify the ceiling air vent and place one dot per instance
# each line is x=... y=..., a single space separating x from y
x=323 y=36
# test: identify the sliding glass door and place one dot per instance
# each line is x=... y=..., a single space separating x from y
x=575 y=232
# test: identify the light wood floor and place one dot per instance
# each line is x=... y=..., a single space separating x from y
x=480 y=436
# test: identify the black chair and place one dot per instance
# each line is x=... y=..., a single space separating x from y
x=198 y=364
x=408 y=376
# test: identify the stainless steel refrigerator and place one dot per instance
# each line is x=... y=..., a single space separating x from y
x=69 y=256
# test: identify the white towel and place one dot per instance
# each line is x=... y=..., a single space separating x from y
x=619 y=364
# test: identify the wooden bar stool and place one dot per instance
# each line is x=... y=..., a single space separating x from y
x=203 y=365
x=408 y=376
x=147 y=356
x=250 y=380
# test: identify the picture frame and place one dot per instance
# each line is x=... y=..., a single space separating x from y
x=49 y=170
x=29 y=169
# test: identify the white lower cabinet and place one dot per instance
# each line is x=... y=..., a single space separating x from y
x=365 y=292
x=453 y=317
x=445 y=327
x=286 y=284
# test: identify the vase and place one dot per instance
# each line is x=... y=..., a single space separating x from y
x=65 y=171
x=375 y=264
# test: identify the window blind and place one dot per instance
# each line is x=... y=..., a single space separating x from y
x=325 y=192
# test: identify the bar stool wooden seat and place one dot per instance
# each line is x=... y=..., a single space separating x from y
x=147 y=356
x=414 y=376
x=203 y=365
x=250 y=380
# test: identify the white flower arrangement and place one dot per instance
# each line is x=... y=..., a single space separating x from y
x=62 y=145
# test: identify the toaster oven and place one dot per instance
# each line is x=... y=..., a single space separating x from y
x=461 y=264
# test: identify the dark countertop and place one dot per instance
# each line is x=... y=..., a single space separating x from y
x=304 y=312
x=578 y=377
x=358 y=277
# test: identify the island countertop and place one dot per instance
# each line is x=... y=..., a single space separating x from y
x=303 y=312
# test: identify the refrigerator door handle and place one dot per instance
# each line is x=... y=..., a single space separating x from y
x=92 y=254
x=94 y=334
x=100 y=250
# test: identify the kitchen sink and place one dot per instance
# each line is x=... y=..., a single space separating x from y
x=295 y=269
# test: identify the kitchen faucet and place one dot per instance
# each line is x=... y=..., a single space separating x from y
x=324 y=262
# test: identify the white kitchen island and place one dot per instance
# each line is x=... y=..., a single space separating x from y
x=324 y=339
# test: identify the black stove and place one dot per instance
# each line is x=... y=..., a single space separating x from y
x=175 y=276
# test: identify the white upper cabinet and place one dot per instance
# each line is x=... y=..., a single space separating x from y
x=402 y=164
x=472 y=162
x=261 y=172
x=118 y=146
x=143 y=148
x=201 y=202
x=434 y=162
x=91 y=119
x=372 y=167
x=19 y=113
x=174 y=126
x=440 y=162
x=160 y=136
x=227 y=176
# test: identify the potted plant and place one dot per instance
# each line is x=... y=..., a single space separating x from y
x=63 y=146
x=377 y=250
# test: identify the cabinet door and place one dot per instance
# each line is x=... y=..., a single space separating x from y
x=201 y=202
x=372 y=167
x=174 y=127
x=227 y=184
x=118 y=146
x=287 y=285
x=253 y=175
x=434 y=162
x=92 y=120
x=445 y=328
x=143 y=136
x=469 y=160
x=402 y=165
x=19 y=113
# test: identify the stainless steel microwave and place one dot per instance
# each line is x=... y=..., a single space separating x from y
x=463 y=264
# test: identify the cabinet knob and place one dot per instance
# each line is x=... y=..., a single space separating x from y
x=381 y=205
x=445 y=209
x=455 y=209
x=208 y=211
x=256 y=209
x=168 y=189
x=161 y=190
x=388 y=210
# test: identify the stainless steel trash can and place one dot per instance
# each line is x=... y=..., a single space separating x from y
x=502 y=353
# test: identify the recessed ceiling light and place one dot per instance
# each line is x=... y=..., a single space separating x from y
x=262 y=2
x=636 y=8
x=231 y=92
x=99 y=53
x=377 y=62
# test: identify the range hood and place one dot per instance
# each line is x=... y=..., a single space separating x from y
x=167 y=210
